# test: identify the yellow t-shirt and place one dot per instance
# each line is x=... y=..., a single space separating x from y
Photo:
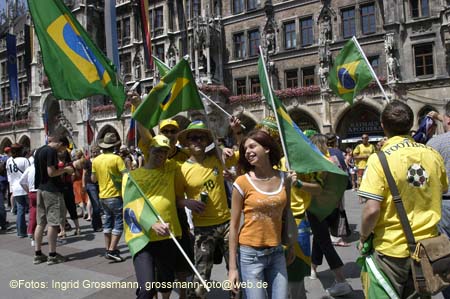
x=108 y=169
x=263 y=213
x=300 y=199
x=207 y=176
x=362 y=149
x=161 y=187
x=419 y=173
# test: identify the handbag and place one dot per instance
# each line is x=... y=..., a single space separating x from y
x=430 y=258
x=338 y=222
x=289 y=232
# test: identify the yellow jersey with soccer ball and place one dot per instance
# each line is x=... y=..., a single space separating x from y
x=363 y=150
x=419 y=173
x=207 y=176
x=161 y=186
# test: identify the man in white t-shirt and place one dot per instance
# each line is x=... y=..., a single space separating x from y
x=15 y=167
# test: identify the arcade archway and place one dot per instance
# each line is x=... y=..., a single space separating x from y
x=358 y=120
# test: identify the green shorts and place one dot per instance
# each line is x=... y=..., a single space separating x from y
x=50 y=208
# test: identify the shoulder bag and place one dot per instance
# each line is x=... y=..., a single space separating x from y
x=430 y=258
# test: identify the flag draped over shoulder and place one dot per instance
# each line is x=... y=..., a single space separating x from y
x=74 y=65
x=303 y=156
x=176 y=92
x=350 y=73
x=138 y=214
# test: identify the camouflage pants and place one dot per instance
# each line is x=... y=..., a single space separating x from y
x=208 y=241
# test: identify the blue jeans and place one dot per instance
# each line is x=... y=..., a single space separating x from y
x=113 y=208
x=444 y=228
x=2 y=205
x=257 y=266
x=21 y=224
x=92 y=191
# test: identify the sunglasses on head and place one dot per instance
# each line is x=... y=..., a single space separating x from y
x=169 y=131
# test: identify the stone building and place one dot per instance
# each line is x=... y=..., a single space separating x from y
x=406 y=43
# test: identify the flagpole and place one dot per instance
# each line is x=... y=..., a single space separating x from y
x=208 y=98
x=172 y=236
x=370 y=67
x=280 y=132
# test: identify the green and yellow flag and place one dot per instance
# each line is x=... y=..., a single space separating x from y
x=74 y=65
x=303 y=156
x=176 y=92
x=350 y=73
x=138 y=214
x=162 y=68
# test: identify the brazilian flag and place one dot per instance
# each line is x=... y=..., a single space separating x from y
x=350 y=73
x=74 y=65
x=138 y=214
x=162 y=68
x=311 y=159
x=176 y=92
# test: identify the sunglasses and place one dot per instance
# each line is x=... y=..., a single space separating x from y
x=167 y=131
x=197 y=137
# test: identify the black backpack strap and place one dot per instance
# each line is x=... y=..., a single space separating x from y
x=403 y=218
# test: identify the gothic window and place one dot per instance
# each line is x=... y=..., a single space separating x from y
x=308 y=76
x=241 y=87
x=375 y=63
x=290 y=40
x=126 y=31
x=419 y=8
x=119 y=33
x=239 y=45
x=291 y=79
x=159 y=49
x=368 y=19
x=423 y=57
x=251 y=4
x=306 y=31
x=196 y=8
x=253 y=38
x=125 y=62
x=254 y=85
x=238 y=6
x=348 y=22
x=159 y=17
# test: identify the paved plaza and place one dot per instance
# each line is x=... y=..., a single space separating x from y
x=87 y=274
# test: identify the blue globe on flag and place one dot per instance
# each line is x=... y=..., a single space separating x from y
x=345 y=78
x=131 y=220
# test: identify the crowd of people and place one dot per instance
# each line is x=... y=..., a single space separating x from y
x=229 y=203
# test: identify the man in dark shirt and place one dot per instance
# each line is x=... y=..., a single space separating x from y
x=50 y=201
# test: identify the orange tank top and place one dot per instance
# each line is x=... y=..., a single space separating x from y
x=263 y=212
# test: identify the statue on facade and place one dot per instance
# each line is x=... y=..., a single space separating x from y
x=325 y=29
x=323 y=77
x=393 y=67
x=269 y=43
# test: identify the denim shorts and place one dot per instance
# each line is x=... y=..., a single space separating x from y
x=263 y=265
x=113 y=209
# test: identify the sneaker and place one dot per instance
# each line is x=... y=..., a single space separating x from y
x=114 y=255
x=339 y=289
x=55 y=259
x=38 y=259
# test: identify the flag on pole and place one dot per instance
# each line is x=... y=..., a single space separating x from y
x=112 y=46
x=146 y=32
x=176 y=92
x=131 y=135
x=138 y=214
x=89 y=132
x=311 y=159
x=350 y=73
x=11 y=52
x=28 y=51
x=74 y=65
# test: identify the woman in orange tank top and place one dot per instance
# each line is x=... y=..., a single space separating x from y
x=262 y=195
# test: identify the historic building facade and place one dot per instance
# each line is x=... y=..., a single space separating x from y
x=406 y=42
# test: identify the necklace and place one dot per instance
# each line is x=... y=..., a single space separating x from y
x=262 y=179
